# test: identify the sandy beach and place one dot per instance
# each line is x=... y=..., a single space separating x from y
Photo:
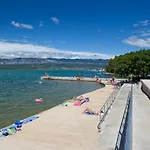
x=62 y=127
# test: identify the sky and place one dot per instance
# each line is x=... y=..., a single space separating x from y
x=73 y=29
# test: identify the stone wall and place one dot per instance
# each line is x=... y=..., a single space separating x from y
x=145 y=87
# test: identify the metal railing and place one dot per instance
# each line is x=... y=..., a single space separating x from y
x=128 y=138
x=124 y=136
x=105 y=108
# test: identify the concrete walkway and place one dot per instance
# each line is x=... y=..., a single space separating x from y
x=66 y=128
x=61 y=128
x=111 y=125
x=141 y=120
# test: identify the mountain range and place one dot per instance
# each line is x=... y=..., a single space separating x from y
x=52 y=63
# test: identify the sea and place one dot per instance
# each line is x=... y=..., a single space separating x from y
x=20 y=88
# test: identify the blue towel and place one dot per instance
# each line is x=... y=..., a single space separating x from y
x=27 y=120
x=89 y=113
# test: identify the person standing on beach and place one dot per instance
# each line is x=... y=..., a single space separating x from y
x=46 y=74
x=113 y=80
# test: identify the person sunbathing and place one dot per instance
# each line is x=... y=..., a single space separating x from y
x=90 y=112
x=80 y=98
x=71 y=100
x=86 y=99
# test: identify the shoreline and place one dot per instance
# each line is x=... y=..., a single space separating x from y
x=70 y=99
x=61 y=127
x=36 y=114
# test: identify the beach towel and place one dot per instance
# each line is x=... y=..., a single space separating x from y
x=3 y=130
x=66 y=103
x=77 y=104
x=89 y=113
x=27 y=120
x=11 y=130
x=1 y=134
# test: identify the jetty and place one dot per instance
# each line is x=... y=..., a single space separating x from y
x=106 y=81
x=71 y=78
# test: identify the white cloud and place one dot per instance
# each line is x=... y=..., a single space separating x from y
x=21 y=25
x=55 y=20
x=135 y=25
x=143 y=32
x=41 y=24
x=15 y=24
x=13 y=50
x=145 y=22
x=14 y=47
x=142 y=23
x=135 y=41
x=3 y=40
x=14 y=41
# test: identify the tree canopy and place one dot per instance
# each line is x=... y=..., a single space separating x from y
x=134 y=64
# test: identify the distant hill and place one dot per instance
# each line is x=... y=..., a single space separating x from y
x=52 y=63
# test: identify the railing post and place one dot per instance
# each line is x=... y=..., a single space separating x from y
x=107 y=105
x=104 y=109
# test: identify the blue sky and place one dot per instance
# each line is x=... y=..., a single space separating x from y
x=73 y=29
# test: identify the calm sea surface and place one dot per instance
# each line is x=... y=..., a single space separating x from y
x=19 y=89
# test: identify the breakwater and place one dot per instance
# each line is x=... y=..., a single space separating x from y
x=83 y=79
x=105 y=81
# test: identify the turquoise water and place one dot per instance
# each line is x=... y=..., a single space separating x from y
x=19 y=89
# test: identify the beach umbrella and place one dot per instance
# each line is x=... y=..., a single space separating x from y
x=18 y=122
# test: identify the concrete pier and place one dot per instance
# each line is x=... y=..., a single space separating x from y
x=106 y=81
x=69 y=78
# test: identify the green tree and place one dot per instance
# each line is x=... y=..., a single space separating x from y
x=135 y=64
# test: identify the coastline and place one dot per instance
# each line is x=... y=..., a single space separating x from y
x=61 y=127
x=84 y=95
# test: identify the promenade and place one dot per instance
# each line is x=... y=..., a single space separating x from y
x=61 y=128
x=66 y=128
x=110 y=127
x=141 y=120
